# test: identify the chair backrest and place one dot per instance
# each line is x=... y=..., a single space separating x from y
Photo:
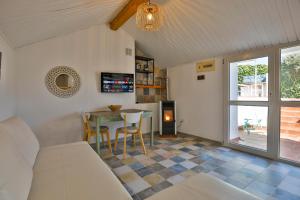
x=132 y=118
x=86 y=125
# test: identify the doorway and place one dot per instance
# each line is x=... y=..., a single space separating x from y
x=289 y=102
x=249 y=103
x=262 y=103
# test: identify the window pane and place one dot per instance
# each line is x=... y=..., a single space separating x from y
x=290 y=74
x=249 y=80
x=290 y=133
x=248 y=126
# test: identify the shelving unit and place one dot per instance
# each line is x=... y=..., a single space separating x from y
x=149 y=86
x=151 y=82
x=144 y=70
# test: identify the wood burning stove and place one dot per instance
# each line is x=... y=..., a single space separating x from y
x=167 y=118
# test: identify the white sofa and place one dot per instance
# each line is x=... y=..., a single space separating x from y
x=203 y=187
x=75 y=172
x=65 y=172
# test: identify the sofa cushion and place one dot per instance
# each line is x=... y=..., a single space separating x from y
x=74 y=172
x=202 y=187
x=24 y=138
x=15 y=172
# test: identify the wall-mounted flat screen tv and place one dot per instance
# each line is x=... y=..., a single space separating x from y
x=117 y=82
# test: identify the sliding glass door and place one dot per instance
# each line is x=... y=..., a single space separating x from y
x=249 y=103
x=262 y=103
x=289 y=75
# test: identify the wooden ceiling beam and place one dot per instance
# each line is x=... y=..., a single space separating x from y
x=128 y=11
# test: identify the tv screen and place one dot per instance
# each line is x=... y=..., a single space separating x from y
x=117 y=82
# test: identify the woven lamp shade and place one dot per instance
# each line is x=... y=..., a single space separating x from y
x=148 y=17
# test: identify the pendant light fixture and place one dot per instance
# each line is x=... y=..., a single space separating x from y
x=148 y=17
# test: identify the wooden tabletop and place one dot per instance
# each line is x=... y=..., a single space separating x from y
x=108 y=112
x=119 y=111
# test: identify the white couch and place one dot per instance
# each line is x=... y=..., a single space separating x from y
x=203 y=187
x=75 y=172
x=65 y=172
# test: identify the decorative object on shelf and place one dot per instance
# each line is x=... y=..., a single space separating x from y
x=138 y=66
x=63 y=81
x=149 y=17
x=115 y=108
x=206 y=66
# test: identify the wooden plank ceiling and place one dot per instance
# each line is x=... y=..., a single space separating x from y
x=128 y=11
x=201 y=29
x=28 y=21
x=192 y=30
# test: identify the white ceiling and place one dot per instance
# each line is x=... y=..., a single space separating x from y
x=27 y=21
x=193 y=29
x=197 y=29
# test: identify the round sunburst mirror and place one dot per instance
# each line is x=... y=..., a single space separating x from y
x=63 y=81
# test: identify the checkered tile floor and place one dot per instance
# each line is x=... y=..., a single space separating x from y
x=171 y=161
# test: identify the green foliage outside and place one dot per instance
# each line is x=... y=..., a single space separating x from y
x=289 y=79
x=249 y=70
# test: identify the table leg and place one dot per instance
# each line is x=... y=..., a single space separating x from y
x=98 y=135
x=152 y=136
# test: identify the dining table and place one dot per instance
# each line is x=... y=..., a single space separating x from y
x=104 y=117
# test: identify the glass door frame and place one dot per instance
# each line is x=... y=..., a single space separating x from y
x=279 y=103
x=271 y=146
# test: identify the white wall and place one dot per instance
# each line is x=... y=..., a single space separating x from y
x=90 y=51
x=199 y=102
x=7 y=82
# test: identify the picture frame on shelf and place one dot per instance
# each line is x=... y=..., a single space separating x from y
x=138 y=66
